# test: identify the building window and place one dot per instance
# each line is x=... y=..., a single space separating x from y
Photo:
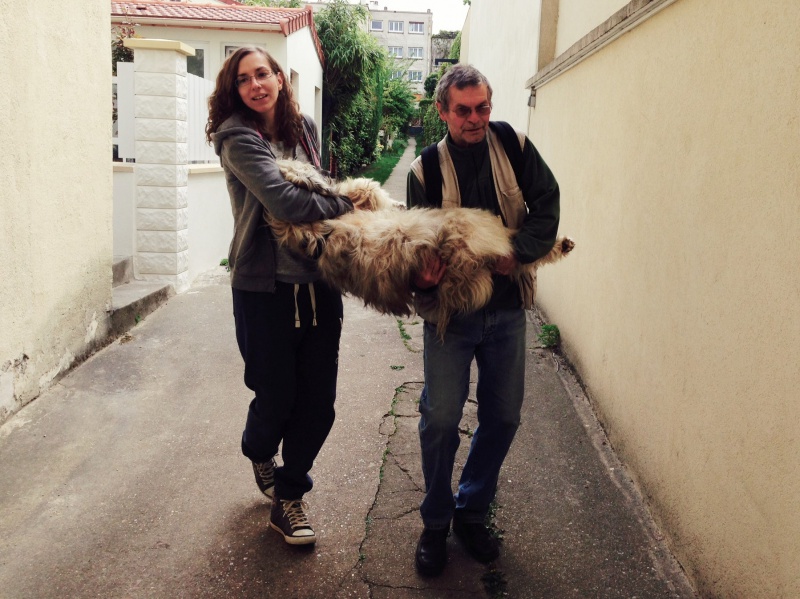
x=416 y=27
x=196 y=65
x=376 y=25
x=397 y=75
x=396 y=51
x=415 y=53
x=415 y=75
x=395 y=26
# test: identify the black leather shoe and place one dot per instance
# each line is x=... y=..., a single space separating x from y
x=431 y=554
x=478 y=540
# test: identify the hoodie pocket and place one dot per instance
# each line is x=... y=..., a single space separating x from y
x=258 y=260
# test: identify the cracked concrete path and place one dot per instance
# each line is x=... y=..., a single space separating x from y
x=572 y=523
x=126 y=480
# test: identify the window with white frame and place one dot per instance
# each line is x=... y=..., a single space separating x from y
x=395 y=26
x=376 y=25
x=396 y=51
x=415 y=52
x=416 y=27
x=397 y=75
x=415 y=75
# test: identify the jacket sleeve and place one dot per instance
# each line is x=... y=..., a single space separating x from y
x=252 y=162
x=542 y=197
x=415 y=192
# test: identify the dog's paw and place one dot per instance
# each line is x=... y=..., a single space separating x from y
x=567 y=245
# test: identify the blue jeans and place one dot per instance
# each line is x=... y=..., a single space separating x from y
x=496 y=339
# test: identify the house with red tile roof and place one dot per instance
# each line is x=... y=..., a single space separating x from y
x=216 y=28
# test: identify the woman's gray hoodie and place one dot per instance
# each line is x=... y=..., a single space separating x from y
x=254 y=183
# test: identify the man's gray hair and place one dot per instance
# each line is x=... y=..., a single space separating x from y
x=460 y=76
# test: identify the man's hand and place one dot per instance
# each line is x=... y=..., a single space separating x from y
x=431 y=273
x=506 y=265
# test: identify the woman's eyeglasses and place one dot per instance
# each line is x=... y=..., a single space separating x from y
x=464 y=111
x=260 y=77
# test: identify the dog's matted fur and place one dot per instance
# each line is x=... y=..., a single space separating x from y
x=374 y=252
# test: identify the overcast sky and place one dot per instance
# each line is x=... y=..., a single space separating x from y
x=447 y=14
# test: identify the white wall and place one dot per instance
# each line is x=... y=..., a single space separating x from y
x=55 y=191
x=301 y=57
x=210 y=219
x=507 y=70
x=124 y=218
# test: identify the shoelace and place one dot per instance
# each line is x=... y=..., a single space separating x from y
x=295 y=511
x=266 y=470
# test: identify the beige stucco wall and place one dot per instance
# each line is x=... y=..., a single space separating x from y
x=576 y=18
x=677 y=147
x=55 y=191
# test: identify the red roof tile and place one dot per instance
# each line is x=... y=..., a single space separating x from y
x=288 y=19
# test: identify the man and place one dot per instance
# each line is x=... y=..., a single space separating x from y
x=476 y=173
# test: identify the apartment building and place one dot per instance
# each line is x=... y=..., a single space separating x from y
x=406 y=36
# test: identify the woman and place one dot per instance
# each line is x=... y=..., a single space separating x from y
x=288 y=322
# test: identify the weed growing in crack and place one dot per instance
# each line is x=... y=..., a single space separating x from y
x=497 y=533
x=495 y=584
x=383 y=463
x=550 y=335
x=405 y=336
x=397 y=392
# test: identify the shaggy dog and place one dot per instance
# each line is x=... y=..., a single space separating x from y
x=374 y=252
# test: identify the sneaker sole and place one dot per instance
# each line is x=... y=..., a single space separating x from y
x=269 y=492
x=307 y=540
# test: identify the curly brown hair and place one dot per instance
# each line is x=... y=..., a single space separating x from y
x=225 y=101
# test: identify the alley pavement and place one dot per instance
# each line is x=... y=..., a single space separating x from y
x=126 y=478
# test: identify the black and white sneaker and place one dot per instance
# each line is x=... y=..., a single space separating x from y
x=289 y=518
x=265 y=477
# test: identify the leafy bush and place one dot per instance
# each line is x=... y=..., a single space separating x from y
x=398 y=106
x=550 y=335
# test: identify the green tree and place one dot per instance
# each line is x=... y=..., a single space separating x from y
x=430 y=84
x=455 y=49
x=433 y=127
x=398 y=106
x=352 y=97
x=119 y=33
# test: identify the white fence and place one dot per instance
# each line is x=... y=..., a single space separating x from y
x=198 y=90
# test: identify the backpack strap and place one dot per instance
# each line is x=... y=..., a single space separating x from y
x=433 y=175
x=508 y=137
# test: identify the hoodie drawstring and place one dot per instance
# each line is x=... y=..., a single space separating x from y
x=313 y=305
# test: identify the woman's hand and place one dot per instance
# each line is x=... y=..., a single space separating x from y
x=431 y=273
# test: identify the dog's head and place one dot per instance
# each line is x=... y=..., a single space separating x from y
x=367 y=194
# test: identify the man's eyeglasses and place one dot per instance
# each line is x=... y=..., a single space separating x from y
x=464 y=111
x=260 y=77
